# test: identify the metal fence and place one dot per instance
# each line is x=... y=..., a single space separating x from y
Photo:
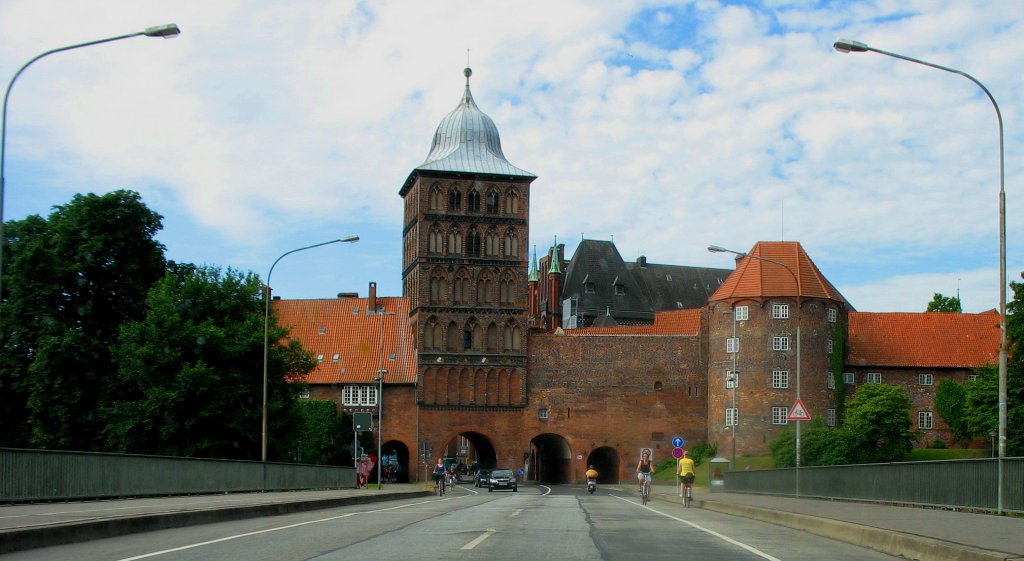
x=42 y=475
x=962 y=484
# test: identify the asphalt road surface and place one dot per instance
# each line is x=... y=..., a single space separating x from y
x=537 y=522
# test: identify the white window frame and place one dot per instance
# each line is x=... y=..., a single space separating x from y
x=780 y=379
x=831 y=315
x=732 y=416
x=873 y=378
x=849 y=378
x=780 y=342
x=780 y=415
x=830 y=417
x=973 y=377
x=359 y=396
x=780 y=311
x=542 y=413
x=925 y=420
x=828 y=346
x=742 y=313
x=304 y=393
x=830 y=380
x=732 y=379
x=925 y=379
x=732 y=345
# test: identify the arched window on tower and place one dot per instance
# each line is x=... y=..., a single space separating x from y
x=436 y=197
x=453 y=338
x=473 y=200
x=473 y=243
x=438 y=283
x=484 y=288
x=511 y=243
x=454 y=199
x=435 y=240
x=508 y=289
x=460 y=290
x=432 y=335
x=492 y=200
x=512 y=202
x=454 y=241
x=469 y=341
x=513 y=337
x=491 y=243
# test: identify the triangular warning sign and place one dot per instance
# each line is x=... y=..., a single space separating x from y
x=798 y=412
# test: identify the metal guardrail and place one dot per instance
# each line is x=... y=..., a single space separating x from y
x=960 y=484
x=44 y=475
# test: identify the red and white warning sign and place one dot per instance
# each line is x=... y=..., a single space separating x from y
x=798 y=412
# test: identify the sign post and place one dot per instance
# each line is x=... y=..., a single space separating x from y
x=798 y=412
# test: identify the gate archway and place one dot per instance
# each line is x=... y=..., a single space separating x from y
x=551 y=459
x=395 y=453
x=606 y=461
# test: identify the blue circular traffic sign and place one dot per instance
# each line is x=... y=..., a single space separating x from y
x=677 y=442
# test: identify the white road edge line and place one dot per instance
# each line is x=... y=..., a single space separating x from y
x=479 y=539
x=751 y=549
x=268 y=530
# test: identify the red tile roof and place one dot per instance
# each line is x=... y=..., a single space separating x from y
x=364 y=343
x=676 y=322
x=754 y=278
x=923 y=340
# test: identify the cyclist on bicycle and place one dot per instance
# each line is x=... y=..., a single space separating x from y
x=439 y=472
x=644 y=469
x=686 y=473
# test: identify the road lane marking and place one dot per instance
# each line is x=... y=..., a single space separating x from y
x=268 y=530
x=515 y=513
x=479 y=539
x=723 y=537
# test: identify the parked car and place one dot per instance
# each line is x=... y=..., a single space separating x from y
x=503 y=479
x=483 y=477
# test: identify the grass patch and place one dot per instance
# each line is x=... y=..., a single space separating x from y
x=925 y=454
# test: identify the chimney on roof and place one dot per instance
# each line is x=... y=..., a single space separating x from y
x=371 y=305
x=348 y=295
x=642 y=261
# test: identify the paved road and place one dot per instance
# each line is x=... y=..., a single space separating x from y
x=915 y=533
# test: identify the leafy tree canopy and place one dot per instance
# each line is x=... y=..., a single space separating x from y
x=942 y=303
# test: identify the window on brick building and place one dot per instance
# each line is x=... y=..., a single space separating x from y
x=742 y=313
x=849 y=378
x=873 y=378
x=780 y=343
x=780 y=311
x=780 y=379
x=732 y=345
x=828 y=346
x=542 y=413
x=973 y=377
x=924 y=420
x=731 y=416
x=925 y=379
x=779 y=415
x=831 y=315
x=830 y=417
x=355 y=396
x=304 y=394
x=830 y=380
x=732 y=379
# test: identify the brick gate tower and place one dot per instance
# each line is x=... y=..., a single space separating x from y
x=465 y=236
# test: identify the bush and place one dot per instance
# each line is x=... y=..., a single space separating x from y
x=938 y=444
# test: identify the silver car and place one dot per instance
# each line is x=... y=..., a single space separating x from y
x=503 y=479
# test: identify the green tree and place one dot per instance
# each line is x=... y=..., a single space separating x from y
x=325 y=436
x=951 y=405
x=70 y=281
x=191 y=372
x=942 y=303
x=878 y=418
x=824 y=446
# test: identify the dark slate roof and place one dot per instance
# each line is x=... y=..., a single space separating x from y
x=599 y=262
x=675 y=287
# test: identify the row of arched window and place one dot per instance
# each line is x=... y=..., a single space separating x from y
x=472 y=336
x=462 y=289
x=469 y=241
x=488 y=200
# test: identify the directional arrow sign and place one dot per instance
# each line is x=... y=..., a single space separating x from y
x=798 y=412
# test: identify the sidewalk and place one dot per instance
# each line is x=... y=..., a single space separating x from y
x=27 y=526
x=915 y=533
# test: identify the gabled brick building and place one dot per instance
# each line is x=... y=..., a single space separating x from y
x=585 y=360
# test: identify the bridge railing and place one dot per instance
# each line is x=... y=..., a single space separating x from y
x=962 y=484
x=42 y=475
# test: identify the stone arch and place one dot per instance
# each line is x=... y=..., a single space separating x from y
x=606 y=461
x=551 y=459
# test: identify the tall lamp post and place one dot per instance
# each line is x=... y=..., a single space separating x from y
x=167 y=31
x=851 y=46
x=796 y=279
x=266 y=332
x=379 y=378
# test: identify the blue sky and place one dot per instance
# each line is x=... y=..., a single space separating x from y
x=668 y=126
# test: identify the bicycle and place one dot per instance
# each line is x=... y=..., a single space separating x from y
x=645 y=489
x=440 y=486
x=687 y=490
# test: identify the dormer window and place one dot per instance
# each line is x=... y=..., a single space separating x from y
x=620 y=290
x=588 y=287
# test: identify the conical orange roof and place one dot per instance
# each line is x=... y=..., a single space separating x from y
x=776 y=269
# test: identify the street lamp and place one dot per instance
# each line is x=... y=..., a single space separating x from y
x=167 y=31
x=379 y=378
x=796 y=279
x=851 y=46
x=266 y=332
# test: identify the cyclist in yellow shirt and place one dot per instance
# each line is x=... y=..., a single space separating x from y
x=686 y=473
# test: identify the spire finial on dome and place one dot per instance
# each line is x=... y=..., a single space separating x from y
x=468 y=72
